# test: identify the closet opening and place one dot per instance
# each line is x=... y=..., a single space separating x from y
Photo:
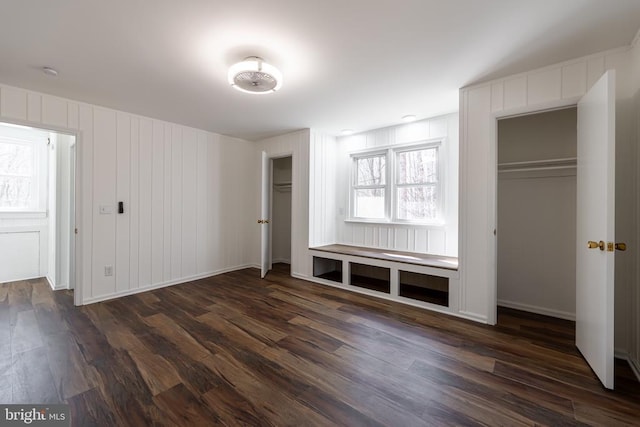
x=281 y=177
x=536 y=225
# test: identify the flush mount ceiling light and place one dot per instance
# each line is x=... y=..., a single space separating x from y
x=409 y=118
x=253 y=75
x=346 y=132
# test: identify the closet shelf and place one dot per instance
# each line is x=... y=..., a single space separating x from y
x=550 y=164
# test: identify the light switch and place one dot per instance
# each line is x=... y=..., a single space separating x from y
x=106 y=209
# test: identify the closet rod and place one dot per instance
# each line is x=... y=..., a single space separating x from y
x=549 y=164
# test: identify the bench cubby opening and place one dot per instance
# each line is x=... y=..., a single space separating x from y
x=328 y=269
x=424 y=287
x=370 y=277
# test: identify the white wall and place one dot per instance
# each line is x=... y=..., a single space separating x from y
x=281 y=211
x=634 y=297
x=536 y=214
x=323 y=206
x=441 y=239
x=52 y=211
x=187 y=213
x=480 y=105
x=295 y=144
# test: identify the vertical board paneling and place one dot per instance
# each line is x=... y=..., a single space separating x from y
x=145 y=180
x=515 y=93
x=421 y=237
x=123 y=194
x=104 y=190
x=475 y=163
x=202 y=231
x=544 y=86
x=497 y=96
x=134 y=203
x=73 y=115
x=574 y=80
x=181 y=217
x=188 y=241
x=595 y=69
x=13 y=103
x=176 y=201
x=157 y=202
x=85 y=166
x=54 y=111
x=436 y=241
x=34 y=107
x=165 y=183
x=214 y=203
x=402 y=239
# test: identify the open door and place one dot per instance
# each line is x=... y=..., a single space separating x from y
x=264 y=220
x=596 y=228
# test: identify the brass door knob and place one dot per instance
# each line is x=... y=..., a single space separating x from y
x=621 y=246
x=592 y=245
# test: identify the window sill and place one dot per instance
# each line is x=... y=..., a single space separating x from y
x=396 y=223
x=22 y=215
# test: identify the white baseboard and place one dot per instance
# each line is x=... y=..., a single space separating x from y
x=127 y=292
x=537 y=310
x=281 y=260
x=633 y=364
x=635 y=367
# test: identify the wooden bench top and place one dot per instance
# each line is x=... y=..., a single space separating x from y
x=446 y=262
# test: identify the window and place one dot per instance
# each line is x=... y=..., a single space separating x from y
x=417 y=184
x=22 y=170
x=369 y=189
x=412 y=195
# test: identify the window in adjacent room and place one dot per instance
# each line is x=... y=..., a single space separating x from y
x=23 y=169
x=398 y=184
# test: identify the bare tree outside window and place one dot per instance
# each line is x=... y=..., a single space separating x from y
x=369 y=192
x=416 y=184
x=16 y=175
x=411 y=195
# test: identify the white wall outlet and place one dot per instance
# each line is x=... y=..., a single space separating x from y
x=106 y=209
x=108 y=270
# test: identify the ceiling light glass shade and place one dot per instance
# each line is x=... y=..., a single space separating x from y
x=253 y=75
x=409 y=118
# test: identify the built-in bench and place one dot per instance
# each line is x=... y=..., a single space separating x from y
x=413 y=278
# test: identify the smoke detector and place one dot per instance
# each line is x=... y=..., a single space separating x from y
x=253 y=75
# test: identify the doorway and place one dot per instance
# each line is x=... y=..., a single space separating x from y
x=37 y=205
x=276 y=213
x=536 y=231
x=281 y=170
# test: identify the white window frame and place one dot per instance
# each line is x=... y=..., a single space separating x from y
x=354 y=184
x=40 y=167
x=391 y=183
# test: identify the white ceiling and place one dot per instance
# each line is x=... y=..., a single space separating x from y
x=357 y=64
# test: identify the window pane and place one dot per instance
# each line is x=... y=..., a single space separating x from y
x=417 y=203
x=369 y=203
x=16 y=159
x=371 y=170
x=15 y=192
x=418 y=166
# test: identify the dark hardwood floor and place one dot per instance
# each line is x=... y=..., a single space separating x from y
x=237 y=350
